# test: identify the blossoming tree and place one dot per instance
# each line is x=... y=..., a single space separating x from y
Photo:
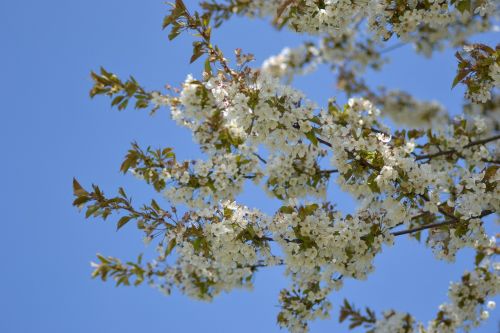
x=434 y=179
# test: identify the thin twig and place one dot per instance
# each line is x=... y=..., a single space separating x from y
x=260 y=158
x=393 y=47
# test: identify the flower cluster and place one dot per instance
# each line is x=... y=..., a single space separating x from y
x=346 y=54
x=200 y=183
x=221 y=251
x=292 y=61
x=426 y=24
x=318 y=243
x=489 y=112
x=405 y=110
x=320 y=248
x=216 y=251
x=468 y=302
x=297 y=173
x=226 y=113
x=435 y=177
x=394 y=322
x=374 y=165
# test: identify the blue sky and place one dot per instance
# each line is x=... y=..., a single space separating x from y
x=51 y=131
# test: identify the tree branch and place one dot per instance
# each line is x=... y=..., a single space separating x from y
x=440 y=224
x=440 y=153
x=452 y=151
x=452 y=221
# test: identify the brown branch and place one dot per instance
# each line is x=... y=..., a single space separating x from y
x=430 y=156
x=428 y=226
x=329 y=171
x=440 y=224
x=453 y=151
x=490 y=161
x=452 y=221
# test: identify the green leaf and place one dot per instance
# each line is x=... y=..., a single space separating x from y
x=312 y=137
x=372 y=184
x=286 y=210
x=228 y=213
x=462 y=5
x=103 y=259
x=130 y=161
x=310 y=209
x=155 y=205
x=123 y=221
x=91 y=210
x=345 y=311
x=459 y=77
x=490 y=172
x=197 y=51
x=171 y=245
x=208 y=66
x=121 y=191
x=78 y=189
x=117 y=100
x=123 y=105
x=479 y=257
x=176 y=30
x=316 y=120
x=81 y=200
x=169 y=19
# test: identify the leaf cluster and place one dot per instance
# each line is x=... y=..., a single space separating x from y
x=149 y=217
x=149 y=164
x=123 y=273
x=356 y=317
x=121 y=92
x=473 y=66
